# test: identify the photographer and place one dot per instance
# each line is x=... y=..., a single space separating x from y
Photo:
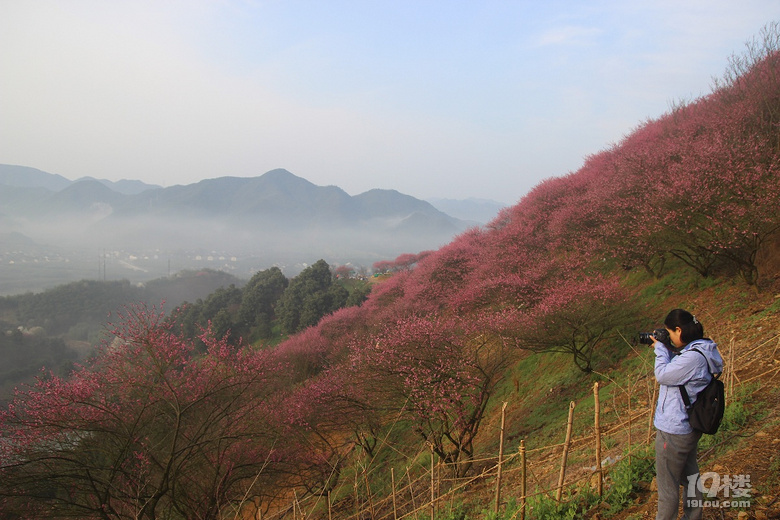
x=676 y=363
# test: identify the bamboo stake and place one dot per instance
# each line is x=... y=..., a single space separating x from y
x=330 y=507
x=357 y=496
x=748 y=353
x=566 y=445
x=523 y=480
x=731 y=368
x=775 y=370
x=439 y=469
x=392 y=483
x=411 y=491
x=452 y=503
x=369 y=494
x=629 y=430
x=597 y=423
x=500 y=458
x=433 y=488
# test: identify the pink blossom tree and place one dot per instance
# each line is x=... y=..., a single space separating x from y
x=576 y=316
x=440 y=372
x=438 y=279
x=148 y=429
x=327 y=418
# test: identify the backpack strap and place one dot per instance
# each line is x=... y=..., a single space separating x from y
x=686 y=399
x=683 y=392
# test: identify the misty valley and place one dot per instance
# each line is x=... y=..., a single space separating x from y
x=74 y=253
x=297 y=382
x=53 y=230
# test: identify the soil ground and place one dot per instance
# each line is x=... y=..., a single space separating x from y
x=754 y=330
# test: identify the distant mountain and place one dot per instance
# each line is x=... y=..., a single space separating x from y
x=250 y=223
x=477 y=210
x=387 y=203
x=84 y=196
x=125 y=186
x=277 y=192
x=25 y=177
x=283 y=200
x=22 y=200
x=278 y=195
x=14 y=241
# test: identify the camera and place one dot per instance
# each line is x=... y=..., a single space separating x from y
x=661 y=335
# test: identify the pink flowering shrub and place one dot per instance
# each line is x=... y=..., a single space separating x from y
x=146 y=429
x=439 y=371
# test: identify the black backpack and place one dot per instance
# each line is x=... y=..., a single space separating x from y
x=706 y=413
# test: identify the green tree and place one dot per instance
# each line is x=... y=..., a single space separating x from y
x=358 y=294
x=259 y=298
x=310 y=296
x=220 y=309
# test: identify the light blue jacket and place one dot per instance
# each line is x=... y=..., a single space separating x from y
x=688 y=368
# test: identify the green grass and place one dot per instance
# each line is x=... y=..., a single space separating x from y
x=573 y=504
x=626 y=477
x=539 y=387
x=546 y=384
x=773 y=308
x=772 y=480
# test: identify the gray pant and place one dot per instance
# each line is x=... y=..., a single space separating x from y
x=675 y=460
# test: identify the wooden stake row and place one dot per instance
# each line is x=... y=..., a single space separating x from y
x=366 y=508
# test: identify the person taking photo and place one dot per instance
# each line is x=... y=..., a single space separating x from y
x=677 y=363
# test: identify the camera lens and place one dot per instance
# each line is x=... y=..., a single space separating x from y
x=645 y=338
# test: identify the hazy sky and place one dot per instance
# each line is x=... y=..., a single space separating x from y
x=439 y=98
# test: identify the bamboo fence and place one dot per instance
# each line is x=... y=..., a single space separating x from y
x=427 y=491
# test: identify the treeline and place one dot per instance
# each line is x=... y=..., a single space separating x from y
x=25 y=352
x=270 y=306
x=161 y=426
x=80 y=310
x=39 y=330
x=37 y=327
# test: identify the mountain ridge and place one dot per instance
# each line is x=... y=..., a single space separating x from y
x=276 y=218
x=473 y=211
x=25 y=176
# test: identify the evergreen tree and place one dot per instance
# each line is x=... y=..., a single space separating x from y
x=310 y=296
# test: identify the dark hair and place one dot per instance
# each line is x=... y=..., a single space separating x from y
x=691 y=328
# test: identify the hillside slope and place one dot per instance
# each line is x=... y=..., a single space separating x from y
x=474 y=354
x=747 y=327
